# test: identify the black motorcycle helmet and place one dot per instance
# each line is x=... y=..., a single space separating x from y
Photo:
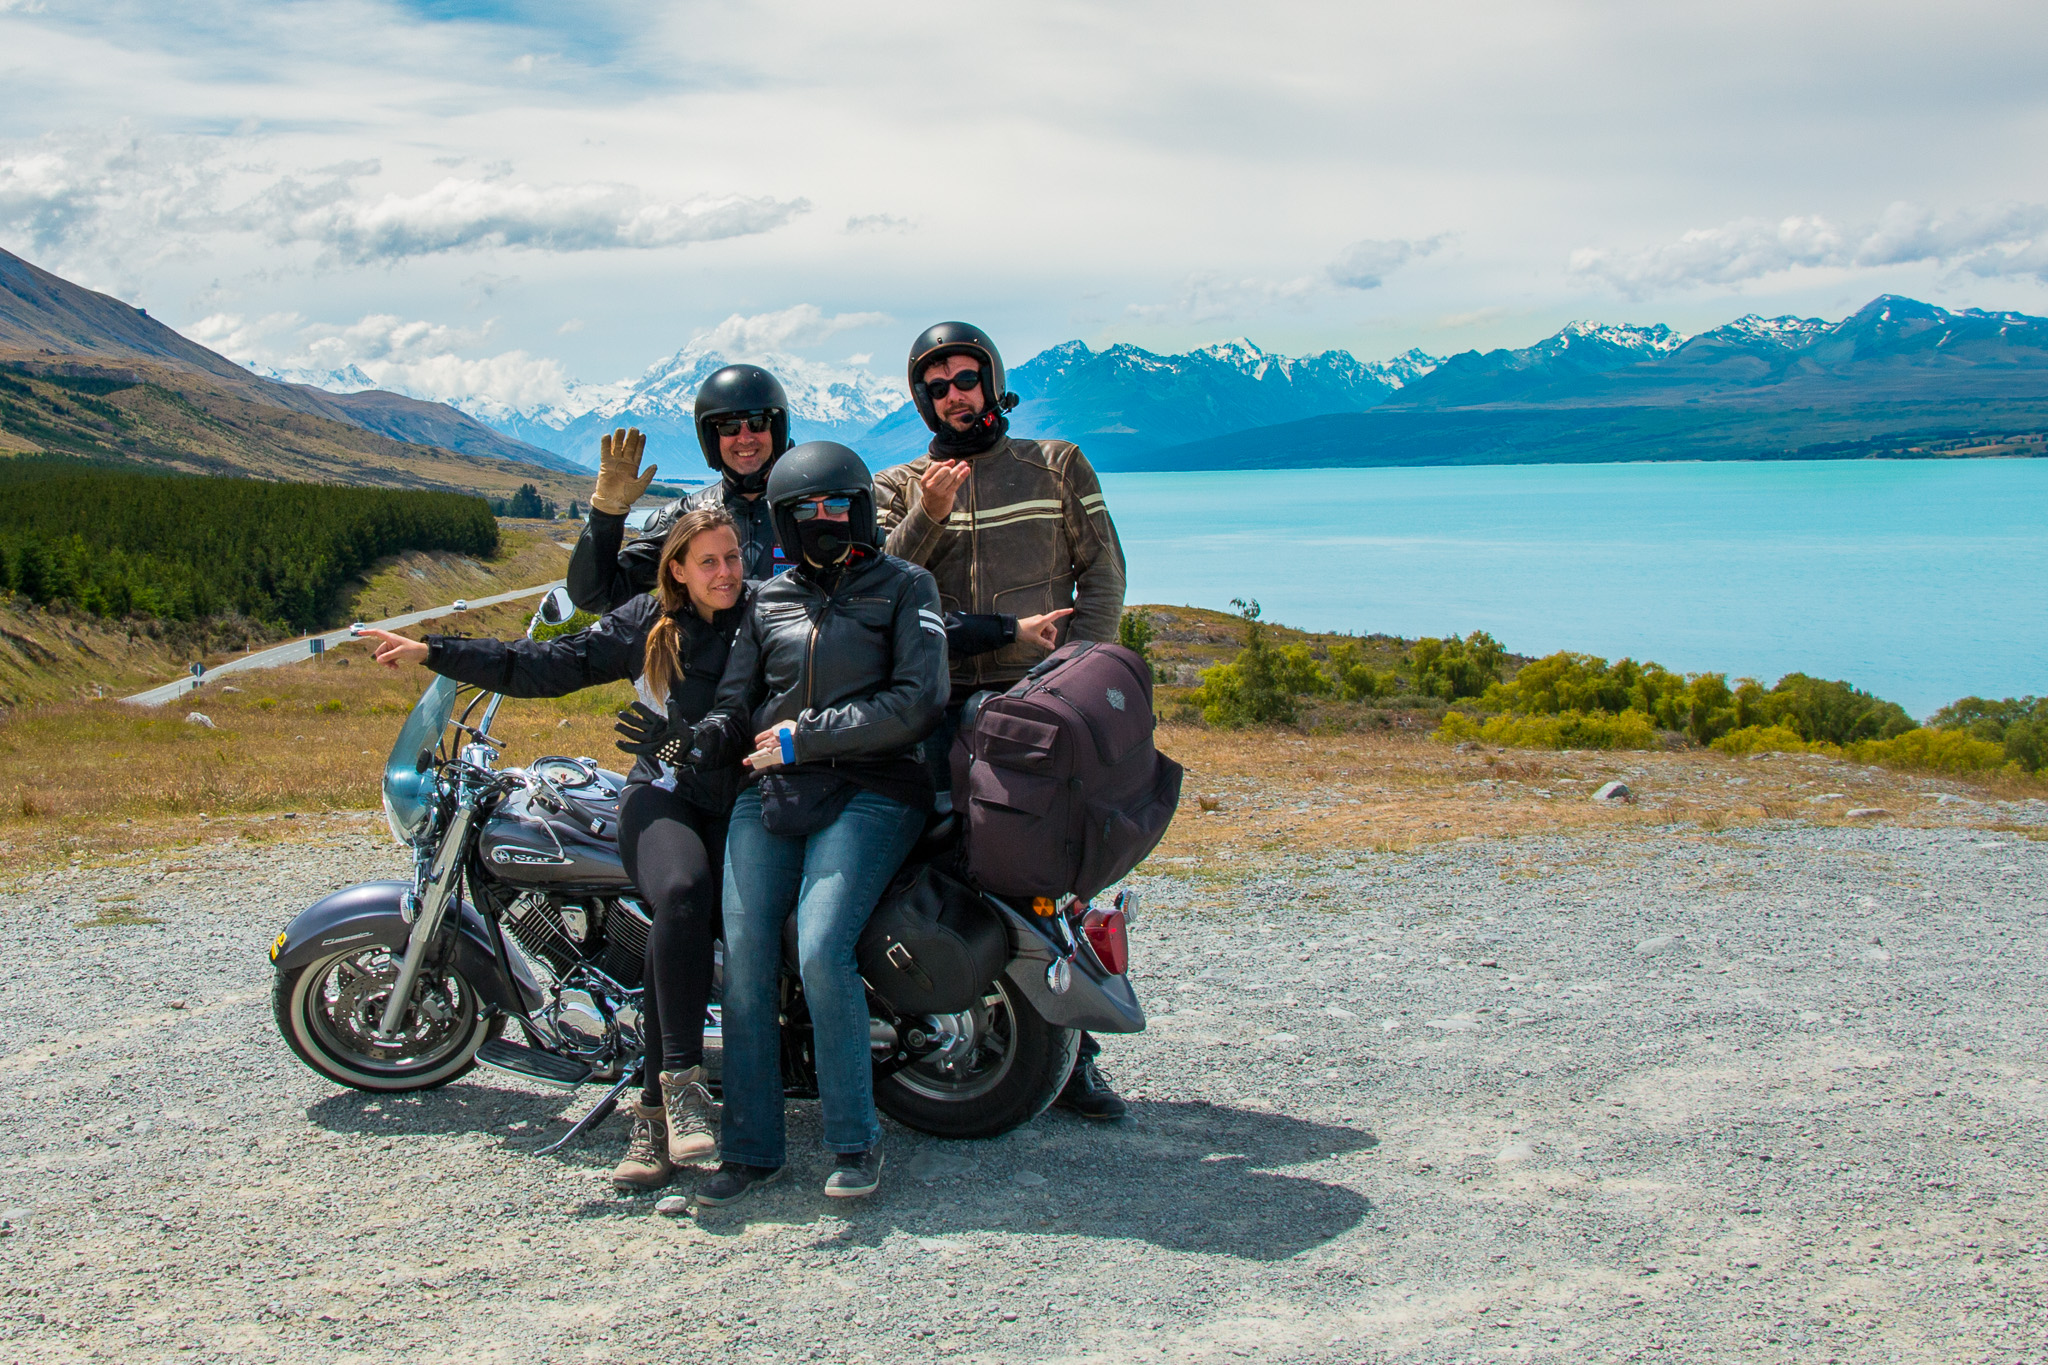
x=944 y=339
x=821 y=469
x=736 y=391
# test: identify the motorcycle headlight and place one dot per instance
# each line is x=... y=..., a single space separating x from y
x=397 y=826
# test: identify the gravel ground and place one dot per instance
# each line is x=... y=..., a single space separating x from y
x=1775 y=1094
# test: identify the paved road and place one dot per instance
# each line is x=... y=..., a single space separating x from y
x=292 y=651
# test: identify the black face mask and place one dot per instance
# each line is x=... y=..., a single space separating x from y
x=756 y=482
x=988 y=431
x=824 y=543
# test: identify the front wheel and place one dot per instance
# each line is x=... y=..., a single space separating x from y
x=330 y=1011
x=993 y=1067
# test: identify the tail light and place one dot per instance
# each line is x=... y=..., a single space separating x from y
x=1105 y=931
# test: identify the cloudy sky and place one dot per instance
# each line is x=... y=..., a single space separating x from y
x=500 y=197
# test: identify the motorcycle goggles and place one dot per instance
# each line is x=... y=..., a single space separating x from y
x=756 y=422
x=830 y=508
x=966 y=381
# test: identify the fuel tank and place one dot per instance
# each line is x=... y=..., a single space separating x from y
x=527 y=846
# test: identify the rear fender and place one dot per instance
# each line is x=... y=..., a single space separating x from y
x=1096 y=999
x=368 y=914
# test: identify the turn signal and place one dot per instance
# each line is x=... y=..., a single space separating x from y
x=1105 y=930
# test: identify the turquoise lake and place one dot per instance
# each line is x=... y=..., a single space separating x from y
x=1919 y=580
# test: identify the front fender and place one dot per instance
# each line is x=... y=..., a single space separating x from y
x=368 y=914
x=1096 y=1000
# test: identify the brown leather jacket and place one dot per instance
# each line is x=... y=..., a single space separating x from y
x=1029 y=533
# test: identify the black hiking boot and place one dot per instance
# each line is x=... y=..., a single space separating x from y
x=1088 y=1095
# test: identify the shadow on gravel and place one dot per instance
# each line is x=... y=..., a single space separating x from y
x=1179 y=1175
x=1189 y=1177
x=474 y=1108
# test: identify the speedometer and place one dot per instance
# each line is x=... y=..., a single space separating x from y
x=568 y=774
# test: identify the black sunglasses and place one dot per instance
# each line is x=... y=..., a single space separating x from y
x=964 y=381
x=754 y=421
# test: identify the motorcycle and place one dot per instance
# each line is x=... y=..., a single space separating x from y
x=519 y=911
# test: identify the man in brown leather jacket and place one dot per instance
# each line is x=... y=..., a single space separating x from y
x=1007 y=525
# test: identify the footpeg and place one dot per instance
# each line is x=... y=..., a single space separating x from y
x=533 y=1064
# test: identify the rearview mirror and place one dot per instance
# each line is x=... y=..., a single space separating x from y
x=556 y=607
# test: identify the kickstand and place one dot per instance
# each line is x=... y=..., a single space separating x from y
x=597 y=1115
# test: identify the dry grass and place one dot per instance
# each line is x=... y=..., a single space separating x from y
x=1249 y=793
x=98 y=778
x=529 y=552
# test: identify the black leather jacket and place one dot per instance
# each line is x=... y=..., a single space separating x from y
x=858 y=662
x=603 y=576
x=613 y=649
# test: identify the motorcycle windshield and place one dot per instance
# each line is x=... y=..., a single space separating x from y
x=408 y=774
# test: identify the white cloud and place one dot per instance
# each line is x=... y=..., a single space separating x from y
x=805 y=324
x=2002 y=240
x=105 y=195
x=877 y=222
x=1366 y=264
x=462 y=214
x=422 y=359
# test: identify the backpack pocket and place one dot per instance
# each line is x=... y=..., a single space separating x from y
x=1116 y=839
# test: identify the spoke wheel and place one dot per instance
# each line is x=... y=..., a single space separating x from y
x=998 y=1065
x=331 y=1012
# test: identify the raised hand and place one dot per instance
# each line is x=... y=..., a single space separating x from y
x=940 y=484
x=620 y=483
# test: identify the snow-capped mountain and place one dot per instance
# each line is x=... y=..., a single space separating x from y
x=826 y=402
x=1125 y=399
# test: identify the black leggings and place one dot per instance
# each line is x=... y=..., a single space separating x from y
x=674 y=852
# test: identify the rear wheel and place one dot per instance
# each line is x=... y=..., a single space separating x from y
x=330 y=1011
x=996 y=1066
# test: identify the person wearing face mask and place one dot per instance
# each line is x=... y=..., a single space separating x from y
x=1006 y=524
x=742 y=420
x=673 y=644
x=837 y=673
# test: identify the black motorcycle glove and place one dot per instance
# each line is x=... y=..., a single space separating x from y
x=650 y=734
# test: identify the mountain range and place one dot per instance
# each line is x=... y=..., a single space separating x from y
x=82 y=373
x=1896 y=378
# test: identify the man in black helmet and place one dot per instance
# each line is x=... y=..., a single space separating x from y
x=742 y=419
x=1006 y=525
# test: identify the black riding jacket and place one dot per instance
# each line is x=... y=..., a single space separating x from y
x=857 y=661
x=613 y=649
x=603 y=576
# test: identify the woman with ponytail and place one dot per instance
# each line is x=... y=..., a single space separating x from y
x=672 y=642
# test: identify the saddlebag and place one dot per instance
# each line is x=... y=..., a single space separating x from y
x=1062 y=789
x=932 y=946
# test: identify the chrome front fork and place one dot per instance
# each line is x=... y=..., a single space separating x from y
x=426 y=924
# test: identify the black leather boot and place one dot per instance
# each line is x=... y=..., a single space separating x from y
x=1088 y=1095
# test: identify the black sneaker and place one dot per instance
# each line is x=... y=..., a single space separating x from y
x=1088 y=1095
x=731 y=1182
x=855 y=1174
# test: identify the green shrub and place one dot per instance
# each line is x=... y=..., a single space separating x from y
x=1251 y=689
x=1763 y=739
x=1570 y=730
x=1352 y=679
x=2019 y=725
x=1134 y=633
x=1934 y=751
x=1819 y=710
x=1451 y=668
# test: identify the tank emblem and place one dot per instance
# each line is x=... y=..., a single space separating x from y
x=527 y=858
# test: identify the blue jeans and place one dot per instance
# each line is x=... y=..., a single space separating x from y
x=831 y=880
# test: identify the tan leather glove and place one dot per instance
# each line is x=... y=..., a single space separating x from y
x=619 y=480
